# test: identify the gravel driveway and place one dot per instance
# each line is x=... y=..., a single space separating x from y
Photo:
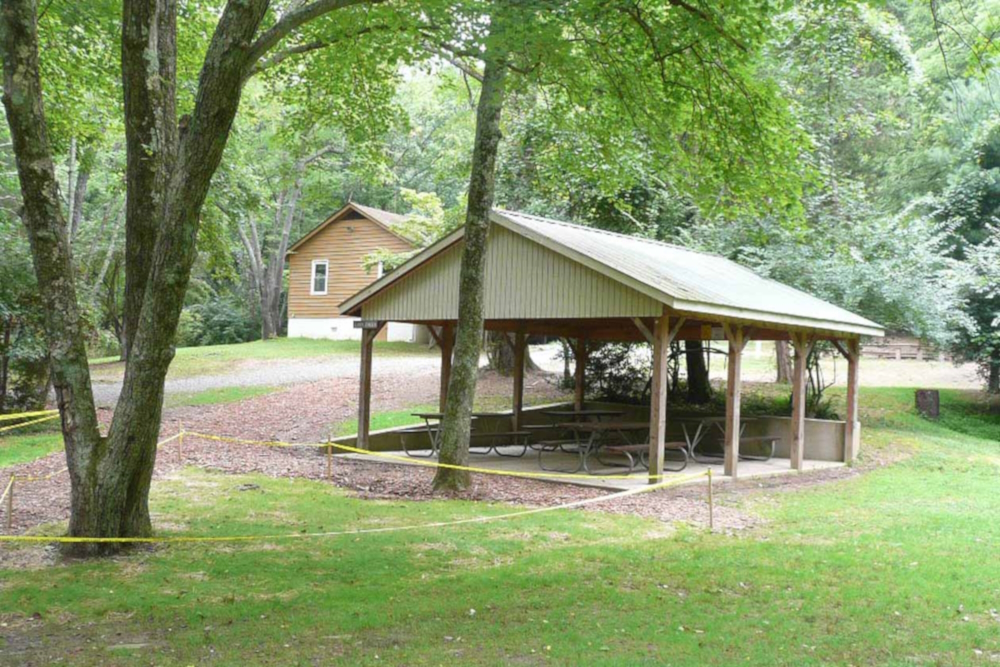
x=281 y=372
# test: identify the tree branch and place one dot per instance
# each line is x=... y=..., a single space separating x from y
x=709 y=19
x=453 y=58
x=296 y=19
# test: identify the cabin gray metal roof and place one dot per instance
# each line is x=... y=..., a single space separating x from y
x=387 y=218
x=384 y=219
x=683 y=279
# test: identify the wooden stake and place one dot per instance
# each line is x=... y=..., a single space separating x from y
x=711 y=505
x=329 y=459
x=10 y=504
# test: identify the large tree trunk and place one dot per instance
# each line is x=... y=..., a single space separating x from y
x=462 y=387
x=699 y=388
x=50 y=248
x=110 y=476
x=993 y=381
x=8 y=327
x=167 y=179
x=135 y=428
x=149 y=79
x=784 y=362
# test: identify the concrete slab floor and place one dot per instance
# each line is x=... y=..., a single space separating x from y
x=612 y=478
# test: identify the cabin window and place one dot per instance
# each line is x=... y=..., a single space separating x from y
x=321 y=268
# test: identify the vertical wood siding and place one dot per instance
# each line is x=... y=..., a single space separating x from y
x=344 y=243
x=524 y=280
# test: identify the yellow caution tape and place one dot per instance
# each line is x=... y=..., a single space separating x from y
x=357 y=531
x=25 y=415
x=262 y=443
x=420 y=462
x=29 y=423
x=170 y=439
x=42 y=478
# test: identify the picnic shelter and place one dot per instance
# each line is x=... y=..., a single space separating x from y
x=548 y=277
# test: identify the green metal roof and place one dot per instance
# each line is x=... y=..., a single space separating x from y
x=681 y=278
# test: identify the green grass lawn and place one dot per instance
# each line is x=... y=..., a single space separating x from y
x=216 y=396
x=895 y=567
x=386 y=419
x=16 y=449
x=214 y=359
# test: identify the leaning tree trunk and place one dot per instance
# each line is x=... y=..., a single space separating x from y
x=47 y=233
x=784 y=362
x=462 y=387
x=699 y=388
x=148 y=41
x=500 y=354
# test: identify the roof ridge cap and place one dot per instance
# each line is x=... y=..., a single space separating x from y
x=607 y=232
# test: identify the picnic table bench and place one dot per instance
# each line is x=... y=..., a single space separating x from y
x=643 y=451
x=600 y=432
x=569 y=445
x=517 y=438
x=767 y=440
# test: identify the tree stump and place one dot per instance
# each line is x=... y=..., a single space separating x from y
x=929 y=403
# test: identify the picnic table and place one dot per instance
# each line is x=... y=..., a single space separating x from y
x=584 y=414
x=432 y=426
x=568 y=444
x=590 y=437
x=704 y=427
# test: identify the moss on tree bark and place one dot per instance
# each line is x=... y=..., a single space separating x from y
x=462 y=387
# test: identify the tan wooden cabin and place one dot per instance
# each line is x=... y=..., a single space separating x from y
x=326 y=266
x=554 y=278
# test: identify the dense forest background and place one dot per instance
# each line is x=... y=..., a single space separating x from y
x=884 y=196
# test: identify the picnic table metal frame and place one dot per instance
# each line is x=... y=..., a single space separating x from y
x=704 y=426
x=596 y=413
x=591 y=447
x=433 y=431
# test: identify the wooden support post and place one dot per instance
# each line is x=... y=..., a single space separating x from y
x=447 y=343
x=734 y=392
x=365 y=385
x=852 y=435
x=658 y=397
x=581 y=369
x=520 y=343
x=803 y=346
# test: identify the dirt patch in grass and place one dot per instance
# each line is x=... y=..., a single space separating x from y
x=28 y=558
